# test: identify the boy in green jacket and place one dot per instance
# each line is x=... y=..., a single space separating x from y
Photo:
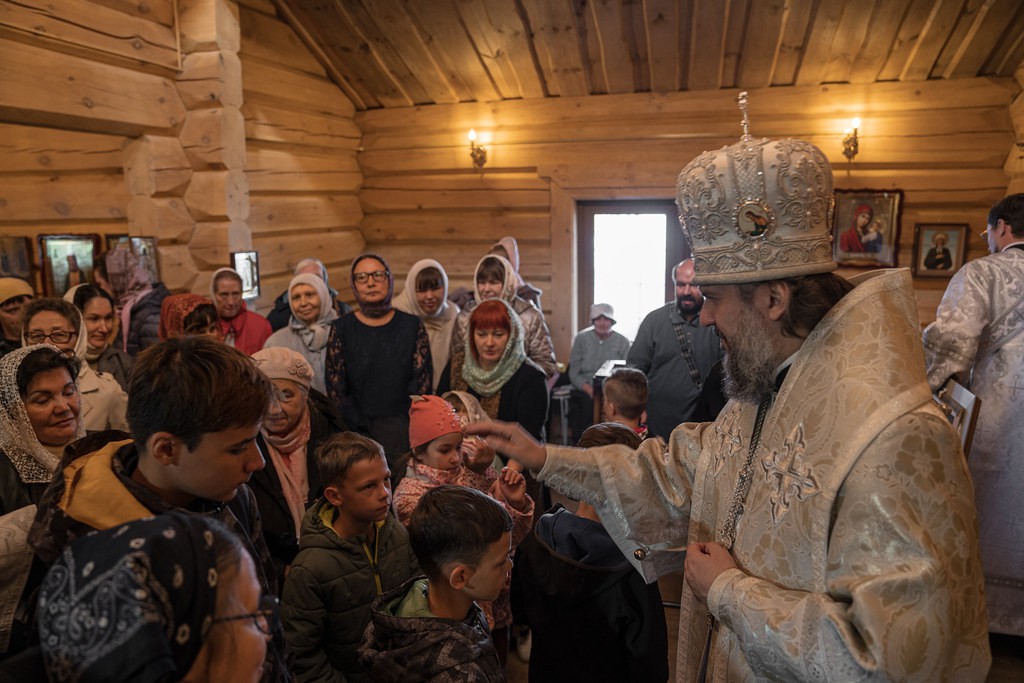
x=351 y=550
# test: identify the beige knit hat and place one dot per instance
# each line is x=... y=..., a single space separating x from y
x=281 y=363
x=757 y=210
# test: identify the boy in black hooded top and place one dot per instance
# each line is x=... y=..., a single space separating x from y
x=591 y=614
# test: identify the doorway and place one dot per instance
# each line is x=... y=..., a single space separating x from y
x=625 y=251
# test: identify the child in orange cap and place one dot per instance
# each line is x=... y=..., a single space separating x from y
x=439 y=457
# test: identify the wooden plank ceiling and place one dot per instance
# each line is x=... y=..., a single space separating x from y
x=399 y=53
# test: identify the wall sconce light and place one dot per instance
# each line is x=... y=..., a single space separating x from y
x=476 y=152
x=851 y=142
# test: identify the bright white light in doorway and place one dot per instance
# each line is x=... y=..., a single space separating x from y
x=629 y=266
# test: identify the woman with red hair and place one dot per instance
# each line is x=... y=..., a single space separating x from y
x=493 y=367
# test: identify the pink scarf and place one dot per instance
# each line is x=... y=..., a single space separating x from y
x=288 y=453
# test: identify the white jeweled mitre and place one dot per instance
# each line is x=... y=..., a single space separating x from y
x=757 y=210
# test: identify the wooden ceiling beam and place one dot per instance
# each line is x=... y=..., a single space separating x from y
x=662 y=27
x=735 y=32
x=505 y=50
x=934 y=34
x=883 y=27
x=442 y=30
x=818 y=48
x=971 y=41
x=791 y=44
x=312 y=42
x=707 y=44
x=379 y=24
x=852 y=32
x=557 y=42
x=762 y=43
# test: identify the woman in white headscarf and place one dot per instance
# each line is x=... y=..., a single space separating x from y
x=310 y=326
x=426 y=296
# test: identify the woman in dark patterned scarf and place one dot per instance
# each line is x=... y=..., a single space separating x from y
x=167 y=598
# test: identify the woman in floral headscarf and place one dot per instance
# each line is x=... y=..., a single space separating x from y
x=377 y=358
x=33 y=433
x=104 y=402
x=138 y=299
x=40 y=414
x=182 y=314
x=310 y=326
x=493 y=368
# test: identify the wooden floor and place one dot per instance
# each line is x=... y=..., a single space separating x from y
x=1007 y=651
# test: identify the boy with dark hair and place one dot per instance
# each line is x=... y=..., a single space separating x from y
x=431 y=629
x=570 y=573
x=190 y=449
x=350 y=552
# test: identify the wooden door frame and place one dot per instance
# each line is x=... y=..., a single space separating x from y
x=676 y=249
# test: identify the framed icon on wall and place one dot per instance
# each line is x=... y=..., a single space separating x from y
x=866 y=228
x=247 y=265
x=939 y=249
x=16 y=257
x=67 y=261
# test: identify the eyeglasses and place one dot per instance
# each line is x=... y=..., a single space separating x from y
x=267 y=618
x=57 y=337
x=984 y=234
x=377 y=275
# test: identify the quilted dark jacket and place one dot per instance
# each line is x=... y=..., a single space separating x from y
x=144 y=325
x=325 y=606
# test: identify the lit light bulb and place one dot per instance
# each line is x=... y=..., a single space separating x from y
x=856 y=123
x=472 y=135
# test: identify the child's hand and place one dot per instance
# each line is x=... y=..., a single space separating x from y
x=476 y=454
x=512 y=485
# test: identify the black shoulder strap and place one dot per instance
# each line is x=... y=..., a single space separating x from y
x=684 y=348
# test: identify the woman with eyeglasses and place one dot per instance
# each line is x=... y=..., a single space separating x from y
x=169 y=598
x=101 y=327
x=377 y=357
x=58 y=322
x=297 y=422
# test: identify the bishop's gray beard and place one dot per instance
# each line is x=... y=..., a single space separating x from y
x=750 y=360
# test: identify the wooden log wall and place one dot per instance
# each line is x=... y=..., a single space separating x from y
x=1015 y=159
x=237 y=140
x=944 y=143
x=63 y=128
x=301 y=165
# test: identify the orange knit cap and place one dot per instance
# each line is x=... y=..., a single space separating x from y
x=429 y=418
